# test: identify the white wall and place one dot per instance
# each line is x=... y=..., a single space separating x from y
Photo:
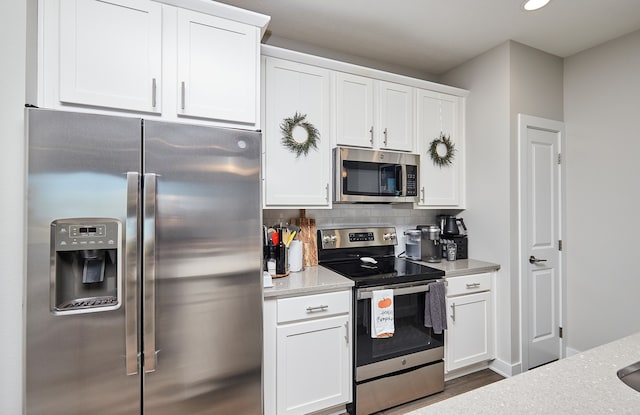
x=12 y=85
x=487 y=147
x=535 y=88
x=602 y=109
x=509 y=79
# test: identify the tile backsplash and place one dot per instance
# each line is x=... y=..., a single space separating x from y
x=403 y=217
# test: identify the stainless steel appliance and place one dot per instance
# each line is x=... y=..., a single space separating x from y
x=144 y=280
x=454 y=231
x=430 y=250
x=374 y=176
x=407 y=366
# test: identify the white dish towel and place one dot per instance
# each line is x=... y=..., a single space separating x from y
x=382 y=321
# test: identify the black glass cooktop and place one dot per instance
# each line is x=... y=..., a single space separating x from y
x=387 y=270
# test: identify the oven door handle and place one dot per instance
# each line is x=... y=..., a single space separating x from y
x=368 y=293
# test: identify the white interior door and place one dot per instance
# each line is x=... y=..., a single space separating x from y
x=540 y=222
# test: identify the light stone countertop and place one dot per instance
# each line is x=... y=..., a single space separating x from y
x=461 y=267
x=311 y=280
x=583 y=384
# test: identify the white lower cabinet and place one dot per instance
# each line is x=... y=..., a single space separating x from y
x=307 y=353
x=469 y=338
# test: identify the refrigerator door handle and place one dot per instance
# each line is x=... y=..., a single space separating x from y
x=149 y=270
x=131 y=274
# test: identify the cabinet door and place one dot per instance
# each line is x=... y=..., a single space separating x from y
x=110 y=53
x=313 y=365
x=440 y=186
x=396 y=116
x=469 y=337
x=354 y=110
x=218 y=67
x=292 y=180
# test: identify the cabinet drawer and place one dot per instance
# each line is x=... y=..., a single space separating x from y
x=312 y=306
x=468 y=284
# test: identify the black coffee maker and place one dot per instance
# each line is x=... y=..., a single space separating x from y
x=454 y=230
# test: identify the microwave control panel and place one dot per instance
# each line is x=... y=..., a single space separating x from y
x=412 y=180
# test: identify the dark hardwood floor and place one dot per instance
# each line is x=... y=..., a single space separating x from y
x=451 y=388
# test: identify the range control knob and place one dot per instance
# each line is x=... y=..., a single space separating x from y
x=389 y=236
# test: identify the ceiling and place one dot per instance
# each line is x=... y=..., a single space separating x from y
x=433 y=36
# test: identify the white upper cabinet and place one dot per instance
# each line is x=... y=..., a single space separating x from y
x=374 y=114
x=396 y=116
x=354 y=115
x=200 y=65
x=110 y=53
x=440 y=186
x=292 y=180
x=218 y=68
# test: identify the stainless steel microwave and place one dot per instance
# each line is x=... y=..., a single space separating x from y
x=373 y=176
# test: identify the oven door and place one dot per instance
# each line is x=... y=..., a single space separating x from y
x=411 y=345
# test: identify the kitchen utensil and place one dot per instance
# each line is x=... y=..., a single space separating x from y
x=307 y=235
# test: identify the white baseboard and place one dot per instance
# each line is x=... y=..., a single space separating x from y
x=570 y=352
x=505 y=369
x=465 y=371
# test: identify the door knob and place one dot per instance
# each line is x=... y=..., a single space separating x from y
x=534 y=260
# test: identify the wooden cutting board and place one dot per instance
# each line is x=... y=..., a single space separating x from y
x=307 y=236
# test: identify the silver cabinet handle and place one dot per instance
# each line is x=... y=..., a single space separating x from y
x=453 y=311
x=326 y=188
x=149 y=267
x=385 y=136
x=371 y=133
x=317 y=308
x=473 y=285
x=131 y=274
x=422 y=193
x=182 y=95
x=346 y=330
x=534 y=260
x=153 y=92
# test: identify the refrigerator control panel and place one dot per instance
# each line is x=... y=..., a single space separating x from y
x=85 y=235
x=86 y=269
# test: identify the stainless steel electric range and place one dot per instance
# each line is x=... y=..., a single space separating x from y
x=398 y=369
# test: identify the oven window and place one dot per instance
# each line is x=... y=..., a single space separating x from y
x=371 y=179
x=410 y=335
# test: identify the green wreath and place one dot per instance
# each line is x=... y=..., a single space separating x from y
x=447 y=159
x=298 y=120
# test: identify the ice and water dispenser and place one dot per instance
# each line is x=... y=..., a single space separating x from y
x=86 y=266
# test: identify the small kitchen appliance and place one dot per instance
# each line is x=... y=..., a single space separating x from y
x=454 y=231
x=373 y=176
x=430 y=250
x=414 y=354
x=413 y=244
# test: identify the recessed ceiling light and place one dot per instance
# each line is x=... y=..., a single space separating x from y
x=532 y=5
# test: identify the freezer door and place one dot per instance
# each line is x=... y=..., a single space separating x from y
x=76 y=358
x=203 y=274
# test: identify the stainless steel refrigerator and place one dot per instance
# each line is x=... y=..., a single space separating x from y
x=144 y=272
